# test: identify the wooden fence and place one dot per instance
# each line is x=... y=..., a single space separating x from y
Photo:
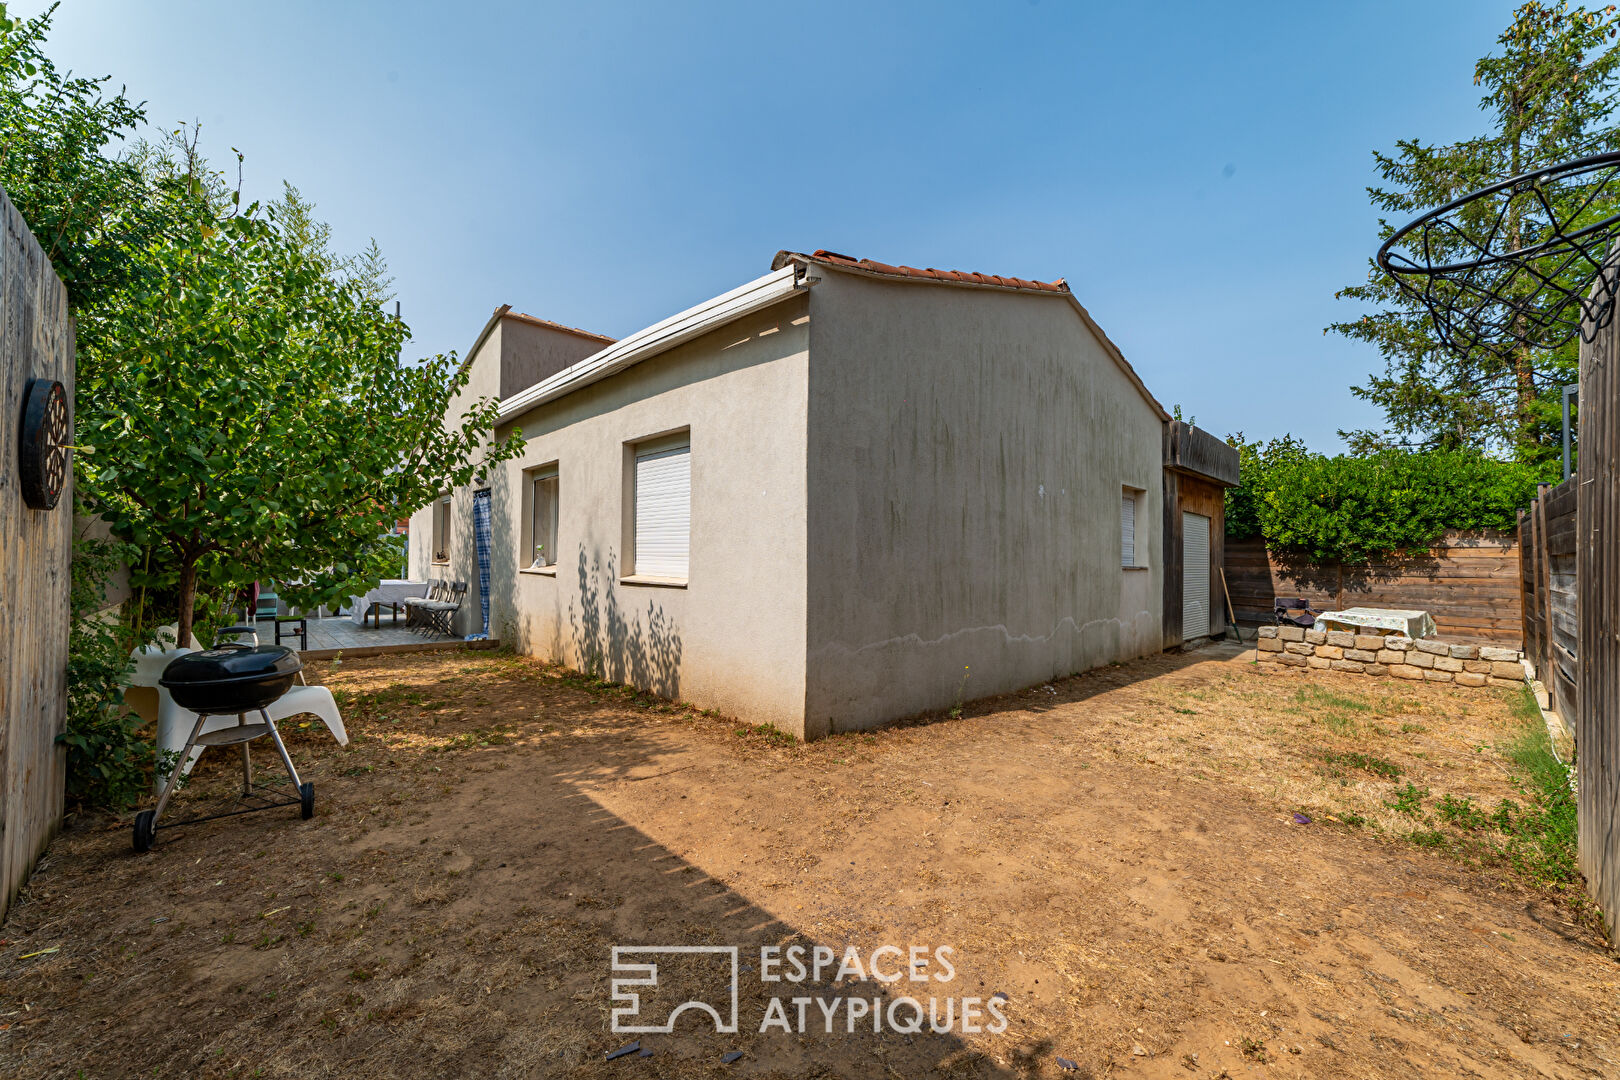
x=36 y=341
x=1547 y=554
x=1597 y=574
x=1469 y=584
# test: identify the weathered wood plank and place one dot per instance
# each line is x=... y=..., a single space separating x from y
x=1471 y=584
x=36 y=341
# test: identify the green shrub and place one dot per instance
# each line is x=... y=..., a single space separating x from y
x=1357 y=509
x=108 y=762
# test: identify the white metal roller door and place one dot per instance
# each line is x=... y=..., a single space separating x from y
x=1194 y=576
x=664 y=512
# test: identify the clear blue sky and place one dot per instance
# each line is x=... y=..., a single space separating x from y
x=1196 y=170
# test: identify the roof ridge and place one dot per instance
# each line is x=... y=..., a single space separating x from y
x=966 y=277
x=551 y=324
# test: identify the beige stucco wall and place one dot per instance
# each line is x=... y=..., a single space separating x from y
x=513 y=356
x=734 y=638
x=967 y=453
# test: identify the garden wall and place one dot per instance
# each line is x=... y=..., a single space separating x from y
x=36 y=341
x=1396 y=657
x=1469 y=584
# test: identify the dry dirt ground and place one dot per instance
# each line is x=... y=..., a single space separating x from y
x=1115 y=853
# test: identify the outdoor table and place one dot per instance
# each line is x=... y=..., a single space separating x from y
x=391 y=593
x=1381 y=621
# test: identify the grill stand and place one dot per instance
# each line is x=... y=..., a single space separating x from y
x=146 y=822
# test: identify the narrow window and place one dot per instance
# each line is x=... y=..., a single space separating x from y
x=1127 y=527
x=662 y=529
x=543 y=524
x=441 y=530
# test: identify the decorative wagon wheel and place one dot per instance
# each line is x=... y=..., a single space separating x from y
x=46 y=432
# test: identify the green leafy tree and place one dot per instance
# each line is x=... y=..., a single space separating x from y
x=1549 y=93
x=246 y=416
x=88 y=208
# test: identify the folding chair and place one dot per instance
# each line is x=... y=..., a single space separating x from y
x=1294 y=611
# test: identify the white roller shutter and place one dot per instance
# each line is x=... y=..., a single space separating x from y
x=1194 y=576
x=664 y=512
x=1127 y=529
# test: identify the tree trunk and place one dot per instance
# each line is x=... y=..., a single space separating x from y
x=188 y=600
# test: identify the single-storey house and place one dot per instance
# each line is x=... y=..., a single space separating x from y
x=842 y=493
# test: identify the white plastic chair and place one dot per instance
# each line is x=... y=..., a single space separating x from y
x=174 y=724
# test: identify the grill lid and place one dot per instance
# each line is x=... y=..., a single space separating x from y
x=230 y=663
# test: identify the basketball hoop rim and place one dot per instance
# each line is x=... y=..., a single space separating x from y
x=1386 y=256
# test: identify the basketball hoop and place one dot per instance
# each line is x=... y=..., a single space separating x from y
x=1521 y=263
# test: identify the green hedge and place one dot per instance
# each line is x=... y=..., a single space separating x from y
x=1357 y=509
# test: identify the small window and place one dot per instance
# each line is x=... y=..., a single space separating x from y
x=541 y=542
x=441 y=530
x=661 y=531
x=1129 y=504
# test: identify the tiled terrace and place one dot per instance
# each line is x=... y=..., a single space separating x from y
x=338 y=633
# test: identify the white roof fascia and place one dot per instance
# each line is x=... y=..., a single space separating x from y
x=659 y=337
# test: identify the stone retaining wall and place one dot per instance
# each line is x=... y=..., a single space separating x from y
x=1397 y=657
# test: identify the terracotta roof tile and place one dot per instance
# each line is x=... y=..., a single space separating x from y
x=535 y=320
x=872 y=266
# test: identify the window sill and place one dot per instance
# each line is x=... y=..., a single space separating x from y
x=1133 y=568
x=543 y=571
x=655 y=582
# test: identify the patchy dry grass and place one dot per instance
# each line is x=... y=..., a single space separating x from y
x=1113 y=852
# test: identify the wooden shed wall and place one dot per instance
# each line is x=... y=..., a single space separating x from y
x=1183 y=492
x=36 y=341
x=1469 y=584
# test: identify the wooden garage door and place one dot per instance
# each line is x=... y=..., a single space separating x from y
x=1194 y=576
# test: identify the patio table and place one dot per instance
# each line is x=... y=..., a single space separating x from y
x=1382 y=621
x=391 y=592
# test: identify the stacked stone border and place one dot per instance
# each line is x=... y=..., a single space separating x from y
x=1395 y=657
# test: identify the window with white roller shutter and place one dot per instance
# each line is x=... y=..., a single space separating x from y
x=1127 y=529
x=1132 y=549
x=663 y=510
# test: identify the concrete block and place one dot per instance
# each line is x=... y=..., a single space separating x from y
x=1377 y=669
x=1266 y=657
x=1369 y=642
x=1494 y=681
x=1330 y=652
x=1299 y=648
x=1420 y=659
x=1468 y=678
x=1491 y=652
x=1397 y=643
x=1344 y=639
x=1405 y=671
x=1269 y=644
x=1349 y=666
x=1291 y=659
x=1267 y=632
x=1438 y=676
x=1389 y=656
x=1432 y=647
x=1503 y=669
x=1477 y=667
x=1316 y=637
x=1447 y=663
x=1465 y=652
x=1291 y=633
x=1317 y=662
x=1366 y=656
